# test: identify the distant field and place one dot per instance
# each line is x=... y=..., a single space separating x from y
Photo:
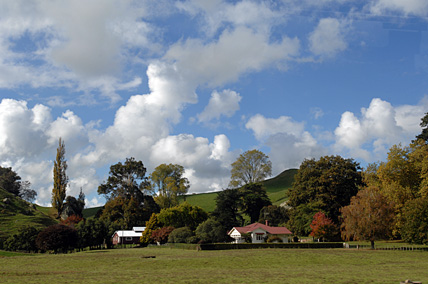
x=235 y=266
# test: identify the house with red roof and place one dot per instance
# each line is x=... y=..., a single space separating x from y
x=259 y=232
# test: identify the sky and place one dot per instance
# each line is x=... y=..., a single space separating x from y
x=199 y=82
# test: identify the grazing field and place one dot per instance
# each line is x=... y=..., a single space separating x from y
x=235 y=266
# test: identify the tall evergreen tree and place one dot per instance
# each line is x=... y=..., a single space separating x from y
x=60 y=179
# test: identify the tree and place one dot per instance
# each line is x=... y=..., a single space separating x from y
x=301 y=218
x=180 y=235
x=26 y=193
x=73 y=206
x=210 y=231
x=275 y=215
x=252 y=166
x=424 y=134
x=160 y=236
x=325 y=185
x=9 y=180
x=226 y=212
x=151 y=225
x=24 y=240
x=183 y=215
x=415 y=221
x=125 y=180
x=369 y=217
x=58 y=238
x=254 y=198
x=322 y=227
x=168 y=183
x=60 y=179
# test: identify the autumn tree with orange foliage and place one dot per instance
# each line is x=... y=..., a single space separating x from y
x=369 y=217
x=323 y=228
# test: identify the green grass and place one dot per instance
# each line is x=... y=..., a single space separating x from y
x=17 y=213
x=235 y=266
x=275 y=188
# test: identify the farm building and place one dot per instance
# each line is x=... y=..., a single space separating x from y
x=128 y=236
x=259 y=232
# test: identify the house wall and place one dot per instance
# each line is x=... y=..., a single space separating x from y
x=258 y=236
x=237 y=236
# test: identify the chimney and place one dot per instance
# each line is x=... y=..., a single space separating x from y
x=266 y=221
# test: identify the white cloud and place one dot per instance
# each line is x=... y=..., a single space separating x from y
x=264 y=127
x=328 y=38
x=289 y=143
x=236 y=52
x=381 y=125
x=407 y=7
x=225 y=103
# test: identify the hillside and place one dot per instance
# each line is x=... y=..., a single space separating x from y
x=275 y=187
x=16 y=213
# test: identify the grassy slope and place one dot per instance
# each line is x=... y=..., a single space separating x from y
x=275 y=187
x=19 y=213
x=234 y=266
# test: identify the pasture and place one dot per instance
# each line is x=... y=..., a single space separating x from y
x=233 y=266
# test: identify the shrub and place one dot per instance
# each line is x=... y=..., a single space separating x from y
x=57 y=238
x=180 y=235
x=210 y=231
x=24 y=240
x=273 y=239
x=161 y=235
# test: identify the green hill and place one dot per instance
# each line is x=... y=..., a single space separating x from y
x=16 y=213
x=275 y=187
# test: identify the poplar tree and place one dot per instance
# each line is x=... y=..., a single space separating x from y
x=60 y=179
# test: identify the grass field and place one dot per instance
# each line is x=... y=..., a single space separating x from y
x=234 y=266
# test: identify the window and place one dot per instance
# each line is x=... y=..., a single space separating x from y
x=260 y=237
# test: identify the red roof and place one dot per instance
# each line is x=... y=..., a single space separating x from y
x=269 y=229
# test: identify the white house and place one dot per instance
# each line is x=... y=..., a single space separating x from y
x=128 y=236
x=259 y=232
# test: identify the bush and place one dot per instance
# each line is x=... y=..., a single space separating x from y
x=161 y=235
x=210 y=231
x=273 y=239
x=58 y=238
x=24 y=240
x=180 y=235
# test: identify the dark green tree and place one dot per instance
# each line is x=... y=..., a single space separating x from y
x=254 y=198
x=9 y=180
x=226 y=212
x=180 y=235
x=211 y=231
x=326 y=184
x=301 y=218
x=275 y=215
x=25 y=191
x=125 y=180
x=424 y=124
x=252 y=166
x=24 y=240
x=60 y=181
x=415 y=221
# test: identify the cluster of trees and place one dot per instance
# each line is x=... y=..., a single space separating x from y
x=11 y=182
x=386 y=200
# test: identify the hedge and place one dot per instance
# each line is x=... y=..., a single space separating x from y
x=270 y=245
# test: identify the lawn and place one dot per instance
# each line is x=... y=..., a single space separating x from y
x=234 y=266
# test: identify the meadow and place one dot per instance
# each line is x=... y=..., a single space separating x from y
x=172 y=265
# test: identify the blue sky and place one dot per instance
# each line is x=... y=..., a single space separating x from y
x=196 y=83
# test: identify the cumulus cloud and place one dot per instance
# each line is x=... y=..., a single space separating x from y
x=380 y=126
x=407 y=7
x=224 y=103
x=328 y=38
x=289 y=143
